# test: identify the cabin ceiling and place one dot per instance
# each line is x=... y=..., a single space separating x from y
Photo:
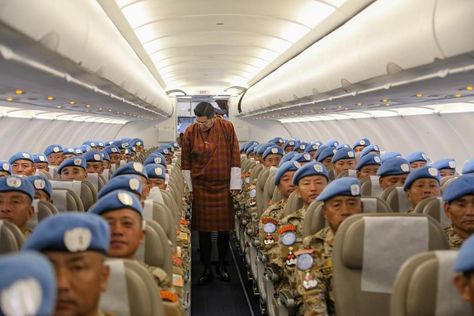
x=207 y=46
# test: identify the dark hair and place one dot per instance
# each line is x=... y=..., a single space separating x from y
x=204 y=109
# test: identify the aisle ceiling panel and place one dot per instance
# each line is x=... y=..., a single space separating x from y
x=215 y=44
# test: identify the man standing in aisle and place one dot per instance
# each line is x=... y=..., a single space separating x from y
x=210 y=162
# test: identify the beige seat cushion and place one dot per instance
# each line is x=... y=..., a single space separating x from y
x=262 y=179
x=11 y=237
x=294 y=203
x=67 y=200
x=424 y=286
x=348 y=258
x=396 y=199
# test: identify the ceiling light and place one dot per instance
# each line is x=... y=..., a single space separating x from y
x=419 y=95
x=72 y=102
x=9 y=99
x=220 y=23
x=19 y=91
x=110 y=110
x=458 y=95
x=385 y=100
x=50 y=98
x=88 y=106
x=59 y=106
x=469 y=88
x=359 y=104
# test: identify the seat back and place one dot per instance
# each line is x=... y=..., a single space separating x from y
x=88 y=194
x=312 y=225
x=370 y=187
x=66 y=200
x=347 y=173
x=162 y=215
x=446 y=181
x=155 y=249
x=42 y=209
x=131 y=290
x=396 y=199
x=434 y=207
x=294 y=203
x=256 y=172
x=369 y=249
x=262 y=178
x=424 y=286
x=11 y=237
x=269 y=188
x=277 y=196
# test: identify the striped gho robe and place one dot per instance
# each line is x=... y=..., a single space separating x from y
x=212 y=159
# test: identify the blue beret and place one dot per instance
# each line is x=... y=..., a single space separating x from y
x=332 y=143
x=343 y=153
x=117 y=143
x=78 y=150
x=276 y=140
x=368 y=149
x=320 y=149
x=92 y=156
x=327 y=152
x=105 y=155
x=5 y=166
x=464 y=185
x=370 y=159
x=273 y=150
x=155 y=158
x=310 y=169
x=70 y=150
x=251 y=149
x=136 y=142
x=348 y=186
x=361 y=142
x=18 y=184
x=389 y=155
x=468 y=167
x=131 y=168
x=70 y=231
x=287 y=157
x=73 y=162
x=127 y=182
x=302 y=146
x=424 y=172
x=340 y=146
x=112 y=149
x=261 y=148
x=85 y=148
x=416 y=156
x=465 y=260
x=304 y=157
x=284 y=168
x=39 y=158
x=25 y=276
x=164 y=151
x=290 y=142
x=156 y=171
x=448 y=163
x=394 y=166
x=311 y=147
x=100 y=143
x=22 y=155
x=116 y=200
x=51 y=149
x=40 y=182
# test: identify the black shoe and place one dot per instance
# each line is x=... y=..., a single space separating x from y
x=206 y=277
x=222 y=273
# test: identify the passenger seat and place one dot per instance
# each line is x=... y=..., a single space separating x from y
x=369 y=249
x=11 y=237
x=424 y=286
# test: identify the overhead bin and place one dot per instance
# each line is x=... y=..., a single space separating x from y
x=387 y=37
x=84 y=34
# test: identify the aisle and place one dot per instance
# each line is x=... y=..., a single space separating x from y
x=220 y=298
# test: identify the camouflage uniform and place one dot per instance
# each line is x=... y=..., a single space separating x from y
x=455 y=241
x=268 y=233
x=314 y=274
x=290 y=237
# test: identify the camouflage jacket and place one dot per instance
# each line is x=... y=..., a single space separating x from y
x=314 y=274
x=455 y=241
